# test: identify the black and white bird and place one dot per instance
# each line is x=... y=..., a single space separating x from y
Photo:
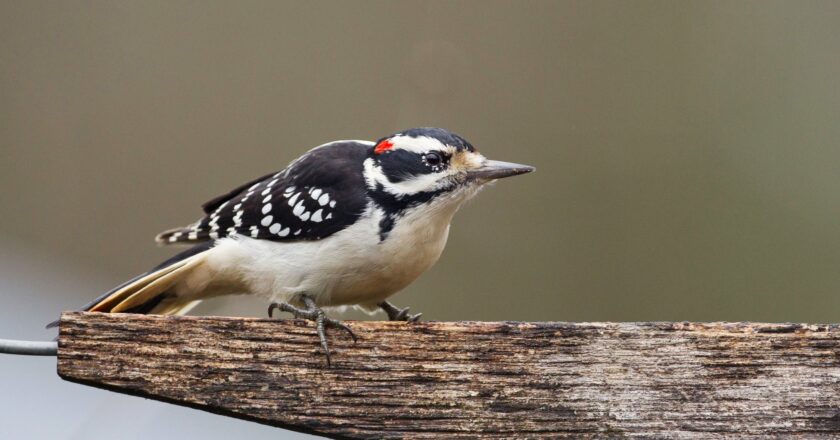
x=347 y=223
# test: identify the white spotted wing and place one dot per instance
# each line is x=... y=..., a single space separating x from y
x=317 y=195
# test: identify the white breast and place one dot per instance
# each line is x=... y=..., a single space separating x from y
x=350 y=267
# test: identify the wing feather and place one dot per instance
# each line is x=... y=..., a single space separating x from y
x=317 y=195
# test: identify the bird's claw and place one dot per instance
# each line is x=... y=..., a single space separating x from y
x=405 y=316
x=313 y=313
x=397 y=314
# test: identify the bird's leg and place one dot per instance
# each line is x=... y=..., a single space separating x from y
x=313 y=313
x=397 y=314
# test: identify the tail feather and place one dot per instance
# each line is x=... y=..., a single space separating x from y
x=149 y=292
x=154 y=284
x=116 y=299
x=175 y=307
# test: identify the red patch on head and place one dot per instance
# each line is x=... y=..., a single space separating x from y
x=383 y=146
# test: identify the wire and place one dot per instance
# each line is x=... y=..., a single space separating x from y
x=31 y=348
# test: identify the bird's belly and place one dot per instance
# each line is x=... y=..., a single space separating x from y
x=352 y=266
x=394 y=264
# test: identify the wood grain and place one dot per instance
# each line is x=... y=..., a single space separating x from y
x=474 y=379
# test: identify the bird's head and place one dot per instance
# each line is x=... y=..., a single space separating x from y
x=424 y=164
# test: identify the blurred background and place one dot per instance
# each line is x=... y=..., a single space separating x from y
x=687 y=157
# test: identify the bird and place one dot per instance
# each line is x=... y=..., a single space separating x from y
x=348 y=223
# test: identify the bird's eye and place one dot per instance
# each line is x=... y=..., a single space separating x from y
x=432 y=159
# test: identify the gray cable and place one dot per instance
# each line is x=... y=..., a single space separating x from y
x=31 y=348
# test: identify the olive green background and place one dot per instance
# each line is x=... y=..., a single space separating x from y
x=687 y=152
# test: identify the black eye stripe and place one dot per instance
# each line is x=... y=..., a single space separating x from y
x=401 y=165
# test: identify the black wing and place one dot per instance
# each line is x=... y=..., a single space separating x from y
x=214 y=203
x=317 y=195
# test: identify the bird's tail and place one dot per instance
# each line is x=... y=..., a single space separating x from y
x=151 y=292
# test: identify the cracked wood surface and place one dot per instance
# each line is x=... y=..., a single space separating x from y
x=474 y=379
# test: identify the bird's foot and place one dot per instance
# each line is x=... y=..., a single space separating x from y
x=397 y=314
x=313 y=313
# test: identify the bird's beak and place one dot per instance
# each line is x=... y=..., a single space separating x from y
x=494 y=169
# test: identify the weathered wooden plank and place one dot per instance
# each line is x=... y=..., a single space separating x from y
x=474 y=379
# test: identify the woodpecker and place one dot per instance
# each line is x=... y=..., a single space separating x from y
x=349 y=223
